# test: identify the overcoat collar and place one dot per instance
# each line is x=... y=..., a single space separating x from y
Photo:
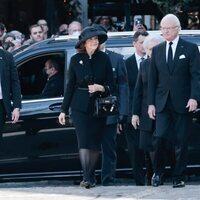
x=2 y=58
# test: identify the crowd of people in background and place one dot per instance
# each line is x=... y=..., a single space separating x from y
x=39 y=31
x=13 y=40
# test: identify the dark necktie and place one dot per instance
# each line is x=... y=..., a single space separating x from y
x=142 y=59
x=170 y=57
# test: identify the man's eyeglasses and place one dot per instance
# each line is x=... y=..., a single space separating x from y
x=168 y=28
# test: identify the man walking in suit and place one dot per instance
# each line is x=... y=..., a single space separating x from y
x=174 y=90
x=9 y=89
x=114 y=123
x=132 y=136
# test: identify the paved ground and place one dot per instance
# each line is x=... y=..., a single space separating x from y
x=65 y=190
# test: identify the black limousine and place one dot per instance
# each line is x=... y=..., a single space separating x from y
x=38 y=147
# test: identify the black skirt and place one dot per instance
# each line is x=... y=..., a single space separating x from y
x=89 y=130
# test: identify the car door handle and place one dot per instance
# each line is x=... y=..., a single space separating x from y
x=55 y=106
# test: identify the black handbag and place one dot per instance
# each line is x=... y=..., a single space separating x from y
x=105 y=106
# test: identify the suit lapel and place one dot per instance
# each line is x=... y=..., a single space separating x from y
x=179 y=51
x=1 y=64
x=135 y=67
x=163 y=52
x=162 y=55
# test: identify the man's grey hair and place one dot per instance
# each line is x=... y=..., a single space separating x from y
x=152 y=38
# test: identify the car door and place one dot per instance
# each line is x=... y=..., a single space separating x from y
x=38 y=143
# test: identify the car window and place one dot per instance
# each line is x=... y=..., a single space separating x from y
x=33 y=77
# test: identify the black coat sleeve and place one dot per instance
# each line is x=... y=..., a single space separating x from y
x=109 y=80
x=70 y=87
x=14 y=80
x=123 y=90
x=138 y=95
x=152 y=80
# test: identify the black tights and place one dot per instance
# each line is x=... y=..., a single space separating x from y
x=88 y=158
x=149 y=159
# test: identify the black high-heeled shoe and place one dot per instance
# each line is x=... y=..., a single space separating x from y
x=87 y=185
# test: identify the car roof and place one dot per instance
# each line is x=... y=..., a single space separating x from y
x=130 y=33
x=70 y=41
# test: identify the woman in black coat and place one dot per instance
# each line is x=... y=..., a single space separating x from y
x=140 y=117
x=90 y=75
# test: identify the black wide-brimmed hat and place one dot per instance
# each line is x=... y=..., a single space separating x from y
x=99 y=27
x=89 y=32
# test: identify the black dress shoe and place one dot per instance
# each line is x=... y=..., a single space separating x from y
x=178 y=184
x=156 y=180
x=148 y=182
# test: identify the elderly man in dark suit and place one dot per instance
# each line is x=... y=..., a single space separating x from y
x=9 y=89
x=140 y=118
x=132 y=135
x=173 y=91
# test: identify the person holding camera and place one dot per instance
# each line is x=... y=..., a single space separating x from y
x=10 y=43
x=139 y=25
x=90 y=75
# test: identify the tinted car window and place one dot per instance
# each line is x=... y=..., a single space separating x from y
x=32 y=76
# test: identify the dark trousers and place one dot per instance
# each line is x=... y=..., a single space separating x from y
x=175 y=127
x=135 y=153
x=2 y=122
x=2 y=116
x=109 y=157
x=164 y=154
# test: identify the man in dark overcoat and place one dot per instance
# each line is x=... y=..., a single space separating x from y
x=132 y=136
x=10 y=93
x=114 y=123
x=110 y=133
